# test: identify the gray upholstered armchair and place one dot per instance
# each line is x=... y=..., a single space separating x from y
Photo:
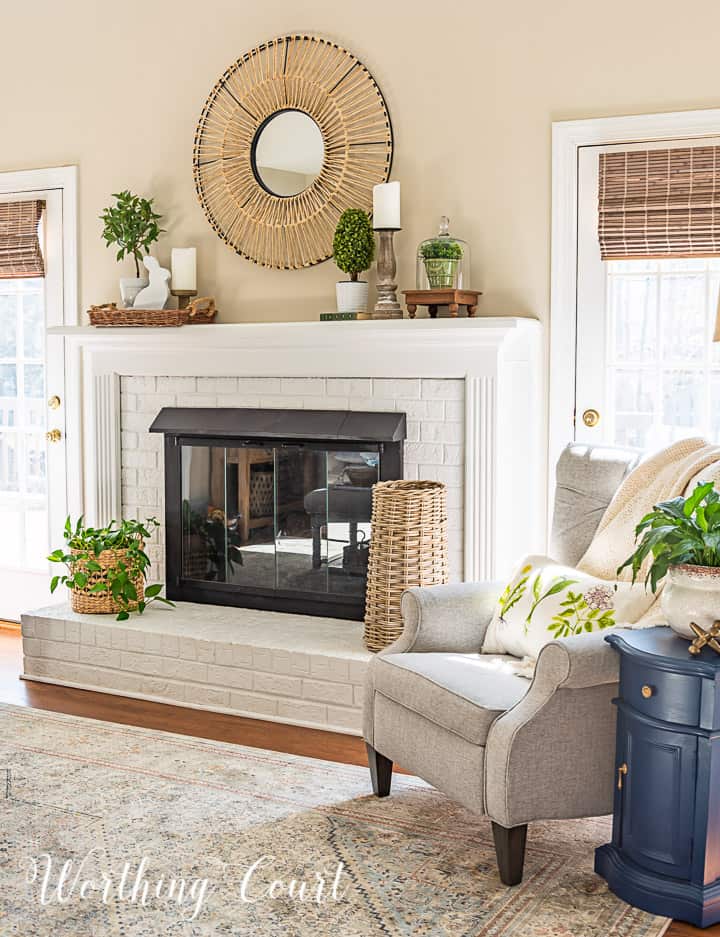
x=502 y=745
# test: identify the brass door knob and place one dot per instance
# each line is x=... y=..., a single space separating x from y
x=591 y=417
x=622 y=771
x=647 y=691
x=53 y=435
x=54 y=402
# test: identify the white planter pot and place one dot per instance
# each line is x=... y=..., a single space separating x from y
x=691 y=593
x=352 y=297
x=129 y=288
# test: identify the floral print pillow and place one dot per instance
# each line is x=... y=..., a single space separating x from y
x=546 y=600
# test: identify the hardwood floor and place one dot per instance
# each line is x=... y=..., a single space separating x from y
x=254 y=732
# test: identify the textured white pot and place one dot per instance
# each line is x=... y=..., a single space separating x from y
x=691 y=593
x=352 y=297
x=130 y=287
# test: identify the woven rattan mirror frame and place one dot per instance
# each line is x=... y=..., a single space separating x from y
x=328 y=83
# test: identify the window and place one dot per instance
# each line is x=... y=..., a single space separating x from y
x=647 y=365
x=662 y=368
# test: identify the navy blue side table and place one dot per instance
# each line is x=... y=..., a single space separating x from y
x=665 y=850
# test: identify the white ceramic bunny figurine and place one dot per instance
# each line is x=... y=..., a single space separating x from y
x=155 y=295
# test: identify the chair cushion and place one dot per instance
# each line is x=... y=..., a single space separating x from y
x=463 y=693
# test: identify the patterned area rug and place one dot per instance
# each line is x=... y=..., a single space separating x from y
x=109 y=830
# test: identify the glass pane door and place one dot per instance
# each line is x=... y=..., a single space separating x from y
x=291 y=519
x=23 y=468
x=33 y=488
x=648 y=372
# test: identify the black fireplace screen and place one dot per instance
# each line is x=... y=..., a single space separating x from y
x=273 y=523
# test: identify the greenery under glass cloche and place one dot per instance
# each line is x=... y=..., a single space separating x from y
x=443 y=261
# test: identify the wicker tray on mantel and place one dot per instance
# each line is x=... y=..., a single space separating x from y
x=201 y=310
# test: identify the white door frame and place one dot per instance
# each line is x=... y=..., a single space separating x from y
x=58 y=189
x=568 y=137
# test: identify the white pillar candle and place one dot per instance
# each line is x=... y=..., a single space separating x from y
x=386 y=205
x=183 y=264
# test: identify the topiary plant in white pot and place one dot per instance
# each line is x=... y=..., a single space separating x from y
x=353 y=252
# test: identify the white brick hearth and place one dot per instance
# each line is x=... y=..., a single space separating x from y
x=434 y=449
x=294 y=669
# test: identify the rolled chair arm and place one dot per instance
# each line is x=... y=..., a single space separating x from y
x=577 y=662
x=446 y=618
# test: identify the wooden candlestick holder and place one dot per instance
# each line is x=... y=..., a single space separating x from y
x=183 y=297
x=387 y=305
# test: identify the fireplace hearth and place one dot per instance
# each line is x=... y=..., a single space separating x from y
x=270 y=509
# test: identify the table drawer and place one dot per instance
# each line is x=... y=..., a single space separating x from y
x=671 y=697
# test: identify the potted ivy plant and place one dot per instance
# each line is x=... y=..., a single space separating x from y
x=132 y=225
x=353 y=252
x=107 y=567
x=441 y=257
x=680 y=540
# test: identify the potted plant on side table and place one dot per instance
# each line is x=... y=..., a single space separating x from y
x=680 y=539
x=131 y=224
x=353 y=252
x=107 y=568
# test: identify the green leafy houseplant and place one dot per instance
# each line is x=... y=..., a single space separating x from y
x=684 y=531
x=441 y=257
x=441 y=249
x=123 y=578
x=131 y=224
x=354 y=243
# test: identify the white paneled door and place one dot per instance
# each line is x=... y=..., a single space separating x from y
x=647 y=372
x=33 y=488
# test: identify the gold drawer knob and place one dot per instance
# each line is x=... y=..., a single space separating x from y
x=591 y=417
x=647 y=691
x=53 y=435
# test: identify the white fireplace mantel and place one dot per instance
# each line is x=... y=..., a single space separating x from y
x=498 y=358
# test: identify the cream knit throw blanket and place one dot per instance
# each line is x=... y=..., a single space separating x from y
x=668 y=474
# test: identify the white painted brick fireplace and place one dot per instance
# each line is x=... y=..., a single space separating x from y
x=473 y=395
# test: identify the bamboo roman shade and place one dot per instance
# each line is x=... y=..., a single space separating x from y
x=659 y=203
x=20 y=253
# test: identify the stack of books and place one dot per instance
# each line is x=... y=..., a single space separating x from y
x=338 y=316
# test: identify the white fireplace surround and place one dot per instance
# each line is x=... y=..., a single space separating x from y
x=473 y=394
x=499 y=360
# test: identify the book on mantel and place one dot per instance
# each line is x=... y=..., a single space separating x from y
x=338 y=316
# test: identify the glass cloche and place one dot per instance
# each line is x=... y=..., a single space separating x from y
x=443 y=261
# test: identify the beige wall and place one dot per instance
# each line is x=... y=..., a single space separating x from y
x=472 y=88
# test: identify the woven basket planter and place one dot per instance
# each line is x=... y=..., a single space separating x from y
x=102 y=603
x=408 y=547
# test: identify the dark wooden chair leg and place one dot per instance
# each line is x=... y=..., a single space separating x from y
x=510 y=851
x=380 y=771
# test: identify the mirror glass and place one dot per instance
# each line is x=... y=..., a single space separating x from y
x=288 y=153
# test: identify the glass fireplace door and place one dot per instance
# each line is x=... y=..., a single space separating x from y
x=292 y=520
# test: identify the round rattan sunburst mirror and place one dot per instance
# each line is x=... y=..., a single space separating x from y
x=320 y=115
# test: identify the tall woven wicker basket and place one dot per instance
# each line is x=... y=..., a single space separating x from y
x=408 y=547
x=102 y=602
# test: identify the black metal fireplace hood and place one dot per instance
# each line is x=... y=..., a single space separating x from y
x=308 y=425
